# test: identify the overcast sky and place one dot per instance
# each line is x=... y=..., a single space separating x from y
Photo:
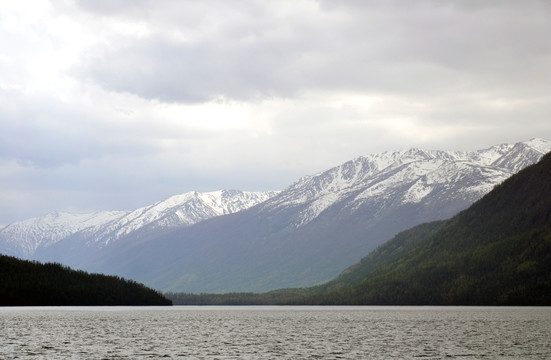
x=113 y=104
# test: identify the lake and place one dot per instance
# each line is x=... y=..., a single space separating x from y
x=250 y=332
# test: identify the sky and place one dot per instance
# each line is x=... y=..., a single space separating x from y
x=116 y=104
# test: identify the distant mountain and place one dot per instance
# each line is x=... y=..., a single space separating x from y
x=315 y=228
x=23 y=238
x=34 y=238
x=26 y=283
x=180 y=210
x=497 y=252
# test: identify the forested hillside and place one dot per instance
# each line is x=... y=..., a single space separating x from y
x=27 y=283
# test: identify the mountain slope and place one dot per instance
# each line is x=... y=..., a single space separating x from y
x=314 y=229
x=498 y=252
x=41 y=238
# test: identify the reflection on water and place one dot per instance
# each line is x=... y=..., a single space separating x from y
x=275 y=333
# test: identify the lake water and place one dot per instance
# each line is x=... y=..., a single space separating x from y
x=275 y=333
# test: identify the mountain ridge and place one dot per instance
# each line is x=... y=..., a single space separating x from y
x=303 y=235
x=351 y=174
x=314 y=229
x=25 y=238
x=496 y=252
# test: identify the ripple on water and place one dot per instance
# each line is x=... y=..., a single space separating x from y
x=275 y=333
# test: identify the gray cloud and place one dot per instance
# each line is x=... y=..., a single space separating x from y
x=116 y=7
x=45 y=132
x=414 y=49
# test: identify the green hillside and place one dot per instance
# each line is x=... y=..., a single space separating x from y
x=27 y=283
x=497 y=252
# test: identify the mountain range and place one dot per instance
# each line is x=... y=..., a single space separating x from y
x=31 y=237
x=306 y=234
x=496 y=252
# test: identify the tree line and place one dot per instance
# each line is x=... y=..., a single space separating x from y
x=30 y=283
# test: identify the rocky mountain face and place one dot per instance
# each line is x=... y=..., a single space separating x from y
x=319 y=225
x=408 y=177
x=31 y=238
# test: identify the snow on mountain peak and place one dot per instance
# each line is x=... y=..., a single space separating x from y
x=24 y=237
x=402 y=176
x=540 y=145
x=179 y=210
x=409 y=176
x=229 y=201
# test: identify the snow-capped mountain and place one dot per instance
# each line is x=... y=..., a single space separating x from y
x=303 y=235
x=409 y=176
x=25 y=238
x=179 y=210
x=321 y=224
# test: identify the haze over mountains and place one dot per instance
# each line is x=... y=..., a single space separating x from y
x=304 y=235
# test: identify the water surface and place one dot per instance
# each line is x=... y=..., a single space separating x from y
x=275 y=333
